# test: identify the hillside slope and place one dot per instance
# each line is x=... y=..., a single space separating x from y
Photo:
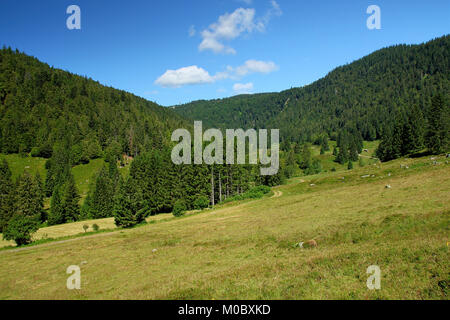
x=246 y=251
x=39 y=105
x=363 y=94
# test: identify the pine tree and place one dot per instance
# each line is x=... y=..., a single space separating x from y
x=129 y=207
x=305 y=157
x=56 y=215
x=101 y=205
x=397 y=135
x=6 y=195
x=324 y=144
x=335 y=151
x=290 y=164
x=28 y=199
x=58 y=167
x=350 y=165
x=353 y=152
x=437 y=139
x=70 y=199
x=40 y=196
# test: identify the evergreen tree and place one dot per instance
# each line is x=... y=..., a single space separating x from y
x=6 y=195
x=129 y=207
x=342 y=156
x=58 y=166
x=28 y=198
x=350 y=165
x=56 y=215
x=20 y=229
x=305 y=157
x=335 y=151
x=290 y=164
x=70 y=199
x=40 y=196
x=324 y=144
x=85 y=211
x=437 y=139
x=101 y=205
x=414 y=131
x=353 y=152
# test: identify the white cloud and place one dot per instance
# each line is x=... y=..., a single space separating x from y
x=230 y=26
x=241 y=88
x=255 y=66
x=196 y=75
x=275 y=10
x=184 y=76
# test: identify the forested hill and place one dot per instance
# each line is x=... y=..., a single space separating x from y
x=363 y=94
x=40 y=105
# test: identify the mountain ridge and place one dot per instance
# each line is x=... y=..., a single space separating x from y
x=363 y=93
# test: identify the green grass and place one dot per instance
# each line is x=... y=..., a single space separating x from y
x=327 y=159
x=18 y=165
x=84 y=174
x=245 y=250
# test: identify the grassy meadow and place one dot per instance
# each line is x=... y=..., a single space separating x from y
x=247 y=250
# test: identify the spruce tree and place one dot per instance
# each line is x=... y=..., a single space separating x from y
x=353 y=152
x=40 y=196
x=56 y=215
x=101 y=205
x=129 y=207
x=335 y=151
x=70 y=199
x=28 y=198
x=305 y=157
x=437 y=139
x=6 y=195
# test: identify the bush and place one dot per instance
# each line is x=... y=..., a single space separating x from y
x=179 y=208
x=20 y=228
x=95 y=227
x=254 y=193
x=201 y=203
x=85 y=227
x=45 y=151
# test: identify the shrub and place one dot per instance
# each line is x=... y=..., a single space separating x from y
x=20 y=228
x=85 y=227
x=95 y=227
x=201 y=203
x=179 y=208
x=254 y=193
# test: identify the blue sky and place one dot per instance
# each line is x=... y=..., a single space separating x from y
x=174 y=52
